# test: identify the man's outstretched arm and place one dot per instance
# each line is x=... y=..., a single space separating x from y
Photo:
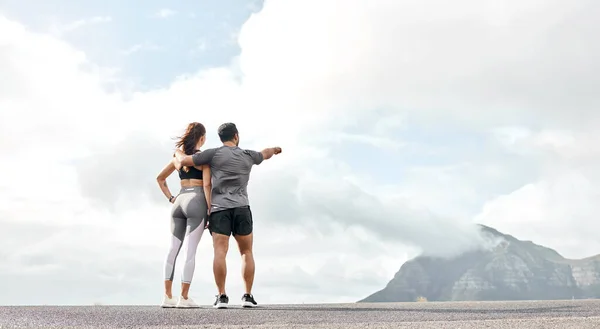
x=269 y=152
x=258 y=157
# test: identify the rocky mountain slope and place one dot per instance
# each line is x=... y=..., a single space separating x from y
x=514 y=270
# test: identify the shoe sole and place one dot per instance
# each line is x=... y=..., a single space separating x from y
x=168 y=306
x=188 y=306
x=221 y=305
x=248 y=305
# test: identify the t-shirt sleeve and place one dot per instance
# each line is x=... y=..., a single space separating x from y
x=205 y=157
x=257 y=157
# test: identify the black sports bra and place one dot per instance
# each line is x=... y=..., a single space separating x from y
x=192 y=173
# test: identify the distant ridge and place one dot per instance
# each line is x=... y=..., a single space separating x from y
x=514 y=270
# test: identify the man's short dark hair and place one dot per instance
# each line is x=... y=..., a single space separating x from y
x=227 y=131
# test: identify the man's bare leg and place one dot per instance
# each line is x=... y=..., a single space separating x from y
x=220 y=246
x=245 y=245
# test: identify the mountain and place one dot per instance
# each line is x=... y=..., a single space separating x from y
x=513 y=270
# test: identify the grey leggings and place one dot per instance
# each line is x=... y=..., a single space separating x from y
x=188 y=213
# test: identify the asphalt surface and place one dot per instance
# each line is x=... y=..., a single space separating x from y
x=568 y=314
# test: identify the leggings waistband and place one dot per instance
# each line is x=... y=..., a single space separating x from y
x=192 y=189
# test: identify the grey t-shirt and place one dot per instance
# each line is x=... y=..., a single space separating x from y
x=230 y=172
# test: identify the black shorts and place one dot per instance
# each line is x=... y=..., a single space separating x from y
x=236 y=221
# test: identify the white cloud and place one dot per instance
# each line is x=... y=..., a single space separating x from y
x=406 y=57
x=201 y=46
x=140 y=47
x=78 y=24
x=367 y=82
x=165 y=13
x=557 y=208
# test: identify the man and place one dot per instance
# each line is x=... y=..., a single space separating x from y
x=230 y=210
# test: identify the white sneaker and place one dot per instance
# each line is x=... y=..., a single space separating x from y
x=187 y=303
x=169 y=302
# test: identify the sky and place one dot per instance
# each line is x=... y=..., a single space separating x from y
x=402 y=124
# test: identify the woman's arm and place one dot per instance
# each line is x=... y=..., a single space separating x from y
x=162 y=181
x=207 y=184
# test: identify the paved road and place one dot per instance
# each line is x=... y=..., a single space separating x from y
x=514 y=315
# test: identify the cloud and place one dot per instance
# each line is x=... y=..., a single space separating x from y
x=165 y=13
x=78 y=24
x=400 y=127
x=201 y=46
x=140 y=47
x=459 y=57
x=557 y=207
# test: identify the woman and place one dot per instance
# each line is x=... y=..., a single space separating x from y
x=189 y=211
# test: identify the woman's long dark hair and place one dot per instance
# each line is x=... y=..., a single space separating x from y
x=190 y=138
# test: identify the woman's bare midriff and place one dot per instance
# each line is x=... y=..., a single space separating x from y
x=191 y=182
